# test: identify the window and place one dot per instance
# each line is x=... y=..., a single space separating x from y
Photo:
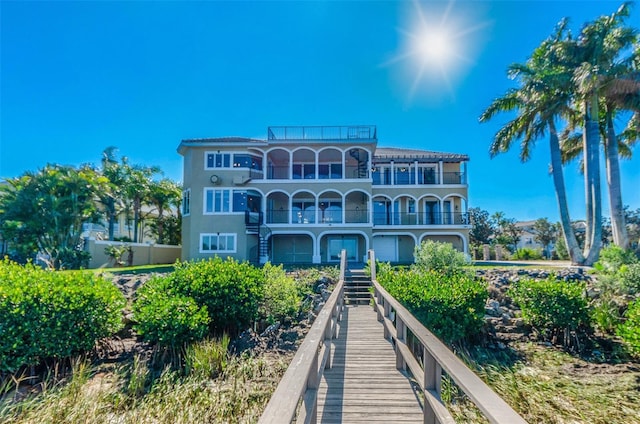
x=330 y=171
x=217 y=160
x=304 y=171
x=218 y=243
x=186 y=202
x=217 y=201
x=243 y=160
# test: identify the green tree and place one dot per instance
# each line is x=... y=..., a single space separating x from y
x=482 y=227
x=137 y=189
x=163 y=195
x=44 y=211
x=507 y=232
x=112 y=198
x=545 y=234
x=605 y=56
x=542 y=97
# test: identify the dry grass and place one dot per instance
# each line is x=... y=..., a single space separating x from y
x=546 y=385
x=133 y=393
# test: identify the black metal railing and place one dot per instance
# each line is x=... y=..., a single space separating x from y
x=409 y=178
x=310 y=216
x=357 y=132
x=431 y=218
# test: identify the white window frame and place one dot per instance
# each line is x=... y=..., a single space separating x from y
x=218 y=235
x=206 y=160
x=186 y=202
x=213 y=203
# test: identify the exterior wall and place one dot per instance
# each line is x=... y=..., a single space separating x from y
x=306 y=236
x=143 y=254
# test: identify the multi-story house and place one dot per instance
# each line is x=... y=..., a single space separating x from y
x=305 y=193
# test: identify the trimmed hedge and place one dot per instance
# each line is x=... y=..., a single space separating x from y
x=451 y=306
x=47 y=314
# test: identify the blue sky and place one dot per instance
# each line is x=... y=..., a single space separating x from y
x=77 y=77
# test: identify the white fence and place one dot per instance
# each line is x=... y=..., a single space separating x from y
x=143 y=253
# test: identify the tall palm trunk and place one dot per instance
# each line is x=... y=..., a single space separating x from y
x=618 y=226
x=561 y=194
x=593 y=197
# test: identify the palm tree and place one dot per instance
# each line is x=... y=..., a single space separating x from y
x=600 y=70
x=163 y=195
x=137 y=184
x=543 y=96
x=605 y=75
x=112 y=198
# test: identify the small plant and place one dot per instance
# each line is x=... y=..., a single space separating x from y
x=555 y=308
x=613 y=258
x=629 y=330
x=440 y=257
x=115 y=254
x=207 y=358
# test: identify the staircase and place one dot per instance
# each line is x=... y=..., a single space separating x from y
x=363 y=169
x=356 y=287
x=254 y=223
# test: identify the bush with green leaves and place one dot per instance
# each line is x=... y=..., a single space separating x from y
x=553 y=307
x=232 y=291
x=451 y=306
x=613 y=258
x=281 y=294
x=438 y=256
x=629 y=330
x=48 y=314
x=527 y=254
x=166 y=318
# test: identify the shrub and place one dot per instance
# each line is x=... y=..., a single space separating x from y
x=451 y=306
x=440 y=257
x=166 y=318
x=613 y=258
x=551 y=306
x=630 y=278
x=629 y=330
x=281 y=294
x=527 y=254
x=47 y=314
x=231 y=291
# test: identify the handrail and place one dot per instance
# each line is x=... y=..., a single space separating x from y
x=437 y=357
x=303 y=376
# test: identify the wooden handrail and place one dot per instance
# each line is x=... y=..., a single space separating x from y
x=302 y=378
x=437 y=357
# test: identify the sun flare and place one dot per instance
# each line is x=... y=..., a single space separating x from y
x=439 y=47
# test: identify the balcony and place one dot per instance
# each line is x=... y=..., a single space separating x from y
x=420 y=219
x=310 y=215
x=335 y=133
x=409 y=177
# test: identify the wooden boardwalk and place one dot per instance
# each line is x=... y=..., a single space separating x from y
x=363 y=384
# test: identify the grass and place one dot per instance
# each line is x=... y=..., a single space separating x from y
x=545 y=385
x=135 y=392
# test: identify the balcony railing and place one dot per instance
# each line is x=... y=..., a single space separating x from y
x=309 y=216
x=353 y=132
x=407 y=218
x=409 y=178
x=361 y=216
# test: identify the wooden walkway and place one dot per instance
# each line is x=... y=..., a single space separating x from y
x=363 y=384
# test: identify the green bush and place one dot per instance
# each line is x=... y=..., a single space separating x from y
x=629 y=330
x=630 y=278
x=451 y=306
x=553 y=307
x=166 y=318
x=281 y=294
x=527 y=254
x=440 y=257
x=613 y=258
x=231 y=291
x=47 y=314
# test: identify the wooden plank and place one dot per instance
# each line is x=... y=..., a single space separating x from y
x=363 y=384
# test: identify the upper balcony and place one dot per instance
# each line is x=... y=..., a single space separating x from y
x=319 y=133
